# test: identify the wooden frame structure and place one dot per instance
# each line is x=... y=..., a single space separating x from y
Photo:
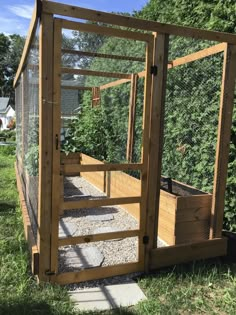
x=51 y=165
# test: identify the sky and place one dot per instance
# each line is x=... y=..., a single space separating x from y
x=15 y=15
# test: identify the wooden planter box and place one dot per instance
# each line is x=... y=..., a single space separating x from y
x=184 y=217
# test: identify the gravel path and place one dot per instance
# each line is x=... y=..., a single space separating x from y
x=95 y=221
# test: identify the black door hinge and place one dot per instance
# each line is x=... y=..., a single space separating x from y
x=56 y=142
x=154 y=70
x=49 y=273
x=145 y=239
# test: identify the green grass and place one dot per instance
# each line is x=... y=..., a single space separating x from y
x=197 y=288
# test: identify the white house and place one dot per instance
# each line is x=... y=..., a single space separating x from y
x=6 y=112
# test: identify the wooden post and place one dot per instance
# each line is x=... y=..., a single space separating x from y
x=223 y=140
x=56 y=182
x=45 y=144
x=96 y=97
x=132 y=109
x=160 y=59
x=145 y=151
x=108 y=183
x=22 y=116
x=62 y=191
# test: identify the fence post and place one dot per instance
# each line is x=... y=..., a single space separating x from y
x=160 y=60
x=223 y=140
x=45 y=143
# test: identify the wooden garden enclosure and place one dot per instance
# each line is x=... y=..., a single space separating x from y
x=190 y=224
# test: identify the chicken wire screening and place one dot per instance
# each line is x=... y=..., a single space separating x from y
x=18 y=102
x=191 y=116
x=101 y=131
x=28 y=129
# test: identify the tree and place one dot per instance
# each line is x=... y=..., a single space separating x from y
x=10 y=53
x=4 y=47
x=215 y=15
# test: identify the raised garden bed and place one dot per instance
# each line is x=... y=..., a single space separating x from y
x=184 y=214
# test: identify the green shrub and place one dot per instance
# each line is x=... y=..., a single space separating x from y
x=31 y=160
x=7 y=150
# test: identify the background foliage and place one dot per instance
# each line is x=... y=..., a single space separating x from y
x=10 y=52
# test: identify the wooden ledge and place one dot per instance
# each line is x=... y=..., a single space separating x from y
x=172 y=255
x=29 y=236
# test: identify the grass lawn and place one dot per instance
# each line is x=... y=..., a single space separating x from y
x=198 y=288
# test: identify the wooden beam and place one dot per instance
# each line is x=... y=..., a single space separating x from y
x=127 y=21
x=160 y=59
x=70 y=156
x=131 y=121
x=100 y=55
x=94 y=203
x=197 y=55
x=78 y=88
x=97 y=237
x=29 y=39
x=45 y=144
x=62 y=192
x=55 y=143
x=108 y=31
x=95 y=273
x=96 y=73
x=223 y=140
x=114 y=83
x=73 y=169
x=172 y=255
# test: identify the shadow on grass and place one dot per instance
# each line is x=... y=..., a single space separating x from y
x=191 y=269
x=6 y=207
x=43 y=308
x=26 y=308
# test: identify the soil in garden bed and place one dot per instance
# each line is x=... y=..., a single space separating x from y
x=178 y=189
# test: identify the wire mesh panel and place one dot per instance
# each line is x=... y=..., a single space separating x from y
x=191 y=120
x=101 y=131
x=30 y=127
x=190 y=136
x=18 y=102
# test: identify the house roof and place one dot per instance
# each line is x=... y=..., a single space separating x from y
x=3 y=104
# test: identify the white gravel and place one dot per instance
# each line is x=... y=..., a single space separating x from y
x=114 y=251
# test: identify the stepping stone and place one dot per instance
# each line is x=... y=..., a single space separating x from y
x=83 y=258
x=67 y=229
x=107 y=229
x=100 y=217
x=107 y=297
